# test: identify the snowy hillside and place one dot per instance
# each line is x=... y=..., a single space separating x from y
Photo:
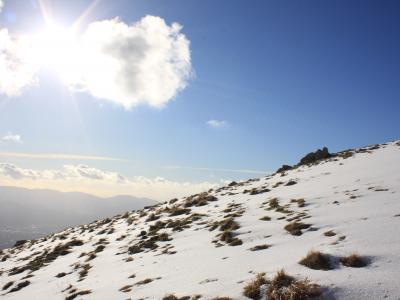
x=217 y=245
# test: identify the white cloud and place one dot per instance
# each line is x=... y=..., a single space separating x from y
x=57 y=156
x=16 y=73
x=85 y=172
x=69 y=172
x=1 y=5
x=218 y=124
x=11 y=170
x=146 y=62
x=10 y=137
x=99 y=182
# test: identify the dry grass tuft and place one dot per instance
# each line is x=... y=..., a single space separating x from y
x=173 y=297
x=126 y=288
x=329 y=233
x=295 y=228
x=274 y=203
x=354 y=261
x=317 y=261
x=7 y=285
x=20 y=286
x=297 y=290
x=145 y=281
x=229 y=224
x=260 y=247
x=76 y=294
x=253 y=289
x=177 y=211
x=300 y=202
x=280 y=280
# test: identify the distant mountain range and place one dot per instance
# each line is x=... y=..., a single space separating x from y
x=29 y=214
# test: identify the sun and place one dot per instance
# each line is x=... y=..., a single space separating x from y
x=56 y=48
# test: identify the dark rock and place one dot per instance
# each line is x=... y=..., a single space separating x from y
x=20 y=243
x=291 y=182
x=284 y=168
x=315 y=156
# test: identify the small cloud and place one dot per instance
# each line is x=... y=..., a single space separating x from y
x=10 y=137
x=1 y=5
x=218 y=124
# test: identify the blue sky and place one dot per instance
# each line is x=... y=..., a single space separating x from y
x=287 y=77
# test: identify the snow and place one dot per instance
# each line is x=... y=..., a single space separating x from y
x=356 y=197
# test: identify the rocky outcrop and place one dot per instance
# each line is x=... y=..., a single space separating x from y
x=313 y=157
x=284 y=168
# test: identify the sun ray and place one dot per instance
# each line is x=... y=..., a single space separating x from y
x=85 y=14
x=45 y=12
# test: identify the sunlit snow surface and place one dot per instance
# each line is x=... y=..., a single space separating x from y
x=356 y=197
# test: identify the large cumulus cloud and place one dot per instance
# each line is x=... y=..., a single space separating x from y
x=129 y=64
x=148 y=61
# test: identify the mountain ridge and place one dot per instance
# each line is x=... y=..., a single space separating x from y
x=32 y=213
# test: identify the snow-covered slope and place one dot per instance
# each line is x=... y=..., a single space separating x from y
x=213 y=245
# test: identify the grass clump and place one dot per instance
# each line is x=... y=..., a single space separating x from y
x=199 y=200
x=145 y=281
x=76 y=294
x=300 y=202
x=280 y=280
x=260 y=247
x=229 y=238
x=173 y=297
x=265 y=218
x=7 y=285
x=84 y=271
x=253 y=289
x=20 y=286
x=329 y=233
x=295 y=228
x=354 y=261
x=285 y=287
x=229 y=224
x=317 y=261
x=274 y=203
x=177 y=211
x=47 y=257
x=126 y=288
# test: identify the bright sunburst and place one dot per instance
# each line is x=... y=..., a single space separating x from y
x=55 y=47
